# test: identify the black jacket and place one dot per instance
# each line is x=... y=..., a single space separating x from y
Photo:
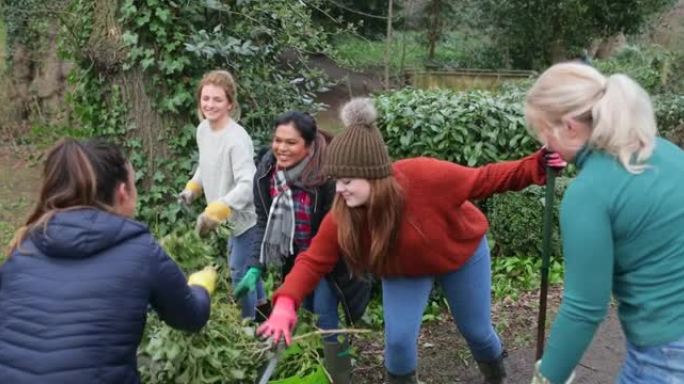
x=354 y=292
x=74 y=300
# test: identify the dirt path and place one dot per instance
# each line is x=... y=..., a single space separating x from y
x=444 y=357
x=348 y=84
x=600 y=364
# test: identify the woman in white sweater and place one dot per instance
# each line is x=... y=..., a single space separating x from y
x=225 y=173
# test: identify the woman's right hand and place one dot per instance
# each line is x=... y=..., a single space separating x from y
x=186 y=197
x=190 y=192
x=281 y=322
x=552 y=160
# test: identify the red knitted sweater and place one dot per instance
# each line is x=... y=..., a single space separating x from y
x=440 y=229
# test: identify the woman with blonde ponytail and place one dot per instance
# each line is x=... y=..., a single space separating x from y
x=622 y=222
x=411 y=224
x=75 y=290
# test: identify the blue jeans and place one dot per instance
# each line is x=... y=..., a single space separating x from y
x=324 y=303
x=239 y=248
x=662 y=364
x=468 y=291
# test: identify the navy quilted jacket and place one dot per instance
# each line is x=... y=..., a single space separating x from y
x=74 y=298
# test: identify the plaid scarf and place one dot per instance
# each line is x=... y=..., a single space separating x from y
x=280 y=227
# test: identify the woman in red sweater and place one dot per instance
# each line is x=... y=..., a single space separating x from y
x=410 y=223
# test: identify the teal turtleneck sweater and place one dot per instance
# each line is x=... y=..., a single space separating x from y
x=623 y=234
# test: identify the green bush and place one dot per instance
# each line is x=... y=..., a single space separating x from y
x=650 y=67
x=226 y=349
x=516 y=221
x=670 y=114
x=516 y=231
x=512 y=276
x=470 y=128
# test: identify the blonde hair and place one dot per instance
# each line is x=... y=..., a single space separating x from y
x=616 y=108
x=224 y=80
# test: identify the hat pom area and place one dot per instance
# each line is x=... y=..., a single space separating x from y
x=359 y=111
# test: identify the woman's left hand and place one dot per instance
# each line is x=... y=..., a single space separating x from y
x=538 y=378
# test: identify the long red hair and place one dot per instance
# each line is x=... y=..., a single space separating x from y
x=381 y=218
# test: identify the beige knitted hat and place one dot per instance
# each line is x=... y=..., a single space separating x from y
x=359 y=151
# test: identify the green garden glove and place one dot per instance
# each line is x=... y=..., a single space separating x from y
x=248 y=282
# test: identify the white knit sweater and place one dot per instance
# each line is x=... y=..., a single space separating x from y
x=226 y=171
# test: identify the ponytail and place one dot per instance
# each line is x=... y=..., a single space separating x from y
x=624 y=123
x=616 y=108
x=76 y=174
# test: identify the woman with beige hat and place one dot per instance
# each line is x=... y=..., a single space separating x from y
x=410 y=223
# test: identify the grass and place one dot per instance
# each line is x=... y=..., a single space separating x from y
x=3 y=40
x=458 y=49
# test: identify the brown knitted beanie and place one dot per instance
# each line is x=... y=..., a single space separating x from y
x=359 y=151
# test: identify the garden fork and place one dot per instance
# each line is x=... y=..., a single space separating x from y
x=272 y=362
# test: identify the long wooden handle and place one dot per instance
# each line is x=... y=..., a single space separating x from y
x=546 y=256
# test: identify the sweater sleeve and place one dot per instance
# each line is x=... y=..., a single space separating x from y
x=504 y=176
x=313 y=264
x=243 y=168
x=178 y=305
x=197 y=177
x=460 y=183
x=588 y=252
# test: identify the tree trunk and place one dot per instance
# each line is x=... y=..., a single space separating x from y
x=388 y=45
x=34 y=85
x=434 y=27
x=609 y=46
x=106 y=50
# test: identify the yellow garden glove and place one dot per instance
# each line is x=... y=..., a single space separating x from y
x=215 y=213
x=538 y=378
x=205 y=278
x=190 y=193
x=218 y=211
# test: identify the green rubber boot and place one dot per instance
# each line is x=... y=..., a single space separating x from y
x=409 y=378
x=493 y=372
x=337 y=362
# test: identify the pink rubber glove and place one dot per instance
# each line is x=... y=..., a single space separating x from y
x=281 y=322
x=552 y=159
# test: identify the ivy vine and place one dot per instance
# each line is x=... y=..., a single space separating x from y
x=265 y=44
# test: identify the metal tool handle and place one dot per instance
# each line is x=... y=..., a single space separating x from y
x=272 y=362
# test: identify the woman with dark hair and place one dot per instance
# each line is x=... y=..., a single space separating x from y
x=81 y=274
x=410 y=223
x=292 y=196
